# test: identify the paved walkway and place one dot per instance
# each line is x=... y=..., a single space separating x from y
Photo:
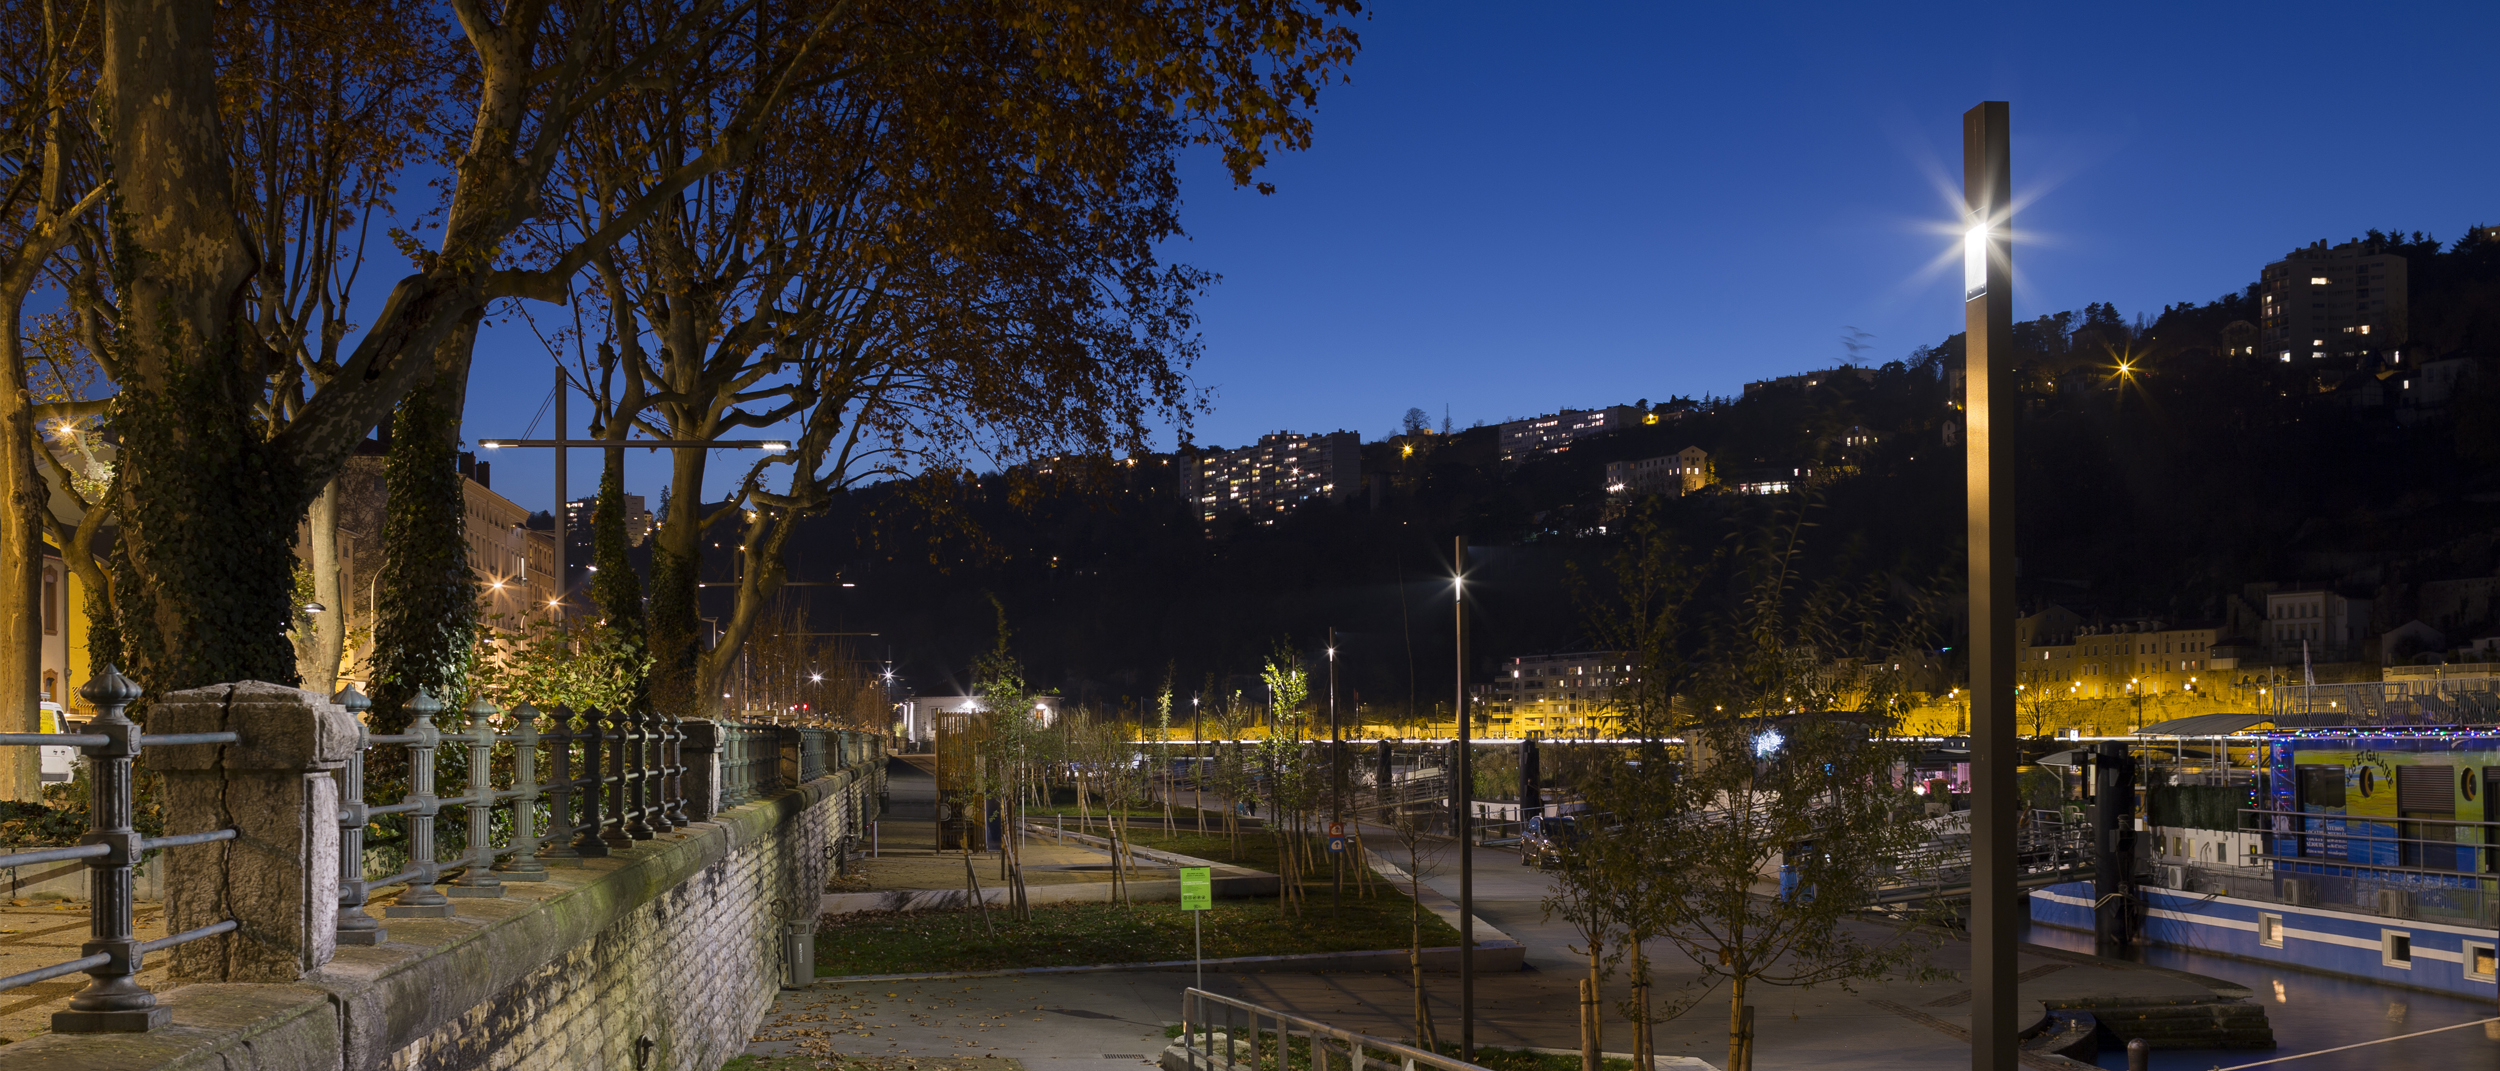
x=1116 y=1019
x=38 y=933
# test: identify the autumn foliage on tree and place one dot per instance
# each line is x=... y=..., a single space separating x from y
x=923 y=230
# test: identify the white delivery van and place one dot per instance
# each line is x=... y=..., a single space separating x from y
x=58 y=760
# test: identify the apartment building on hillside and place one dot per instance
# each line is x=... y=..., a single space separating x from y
x=1557 y=695
x=1554 y=433
x=2323 y=302
x=1680 y=473
x=2316 y=625
x=2143 y=656
x=1267 y=480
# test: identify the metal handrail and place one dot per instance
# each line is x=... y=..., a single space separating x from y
x=113 y=1000
x=2291 y=829
x=644 y=788
x=1198 y=1043
x=631 y=788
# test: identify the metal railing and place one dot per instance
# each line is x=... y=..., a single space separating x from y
x=632 y=787
x=2047 y=848
x=2385 y=865
x=611 y=780
x=1241 y=1043
x=113 y=1000
x=750 y=762
x=2469 y=701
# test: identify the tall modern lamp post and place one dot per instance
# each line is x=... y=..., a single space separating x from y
x=1463 y=801
x=1988 y=388
x=1336 y=781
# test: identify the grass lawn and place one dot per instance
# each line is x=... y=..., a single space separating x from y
x=1076 y=934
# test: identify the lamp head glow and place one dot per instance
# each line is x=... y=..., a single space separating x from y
x=315 y=608
x=1765 y=745
x=1975 y=261
x=490 y=444
x=775 y=448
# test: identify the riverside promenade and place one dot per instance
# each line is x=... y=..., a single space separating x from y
x=1083 y=1020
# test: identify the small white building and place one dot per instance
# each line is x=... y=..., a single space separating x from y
x=918 y=715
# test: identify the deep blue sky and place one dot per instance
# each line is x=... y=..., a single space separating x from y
x=1521 y=207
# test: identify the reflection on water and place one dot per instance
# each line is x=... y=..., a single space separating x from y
x=2312 y=1012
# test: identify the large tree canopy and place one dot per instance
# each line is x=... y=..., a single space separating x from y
x=972 y=189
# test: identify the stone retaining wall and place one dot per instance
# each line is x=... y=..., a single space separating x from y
x=665 y=956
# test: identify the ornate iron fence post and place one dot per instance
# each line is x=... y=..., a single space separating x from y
x=559 y=849
x=477 y=878
x=422 y=900
x=590 y=842
x=655 y=776
x=356 y=926
x=636 y=725
x=524 y=864
x=617 y=834
x=675 y=788
x=113 y=1001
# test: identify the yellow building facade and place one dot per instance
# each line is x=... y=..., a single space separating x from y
x=2142 y=658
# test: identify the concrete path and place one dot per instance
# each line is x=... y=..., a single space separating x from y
x=1116 y=1019
x=1087 y=1022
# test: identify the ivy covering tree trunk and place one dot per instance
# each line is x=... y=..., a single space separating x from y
x=427 y=621
x=675 y=614
x=209 y=508
x=614 y=587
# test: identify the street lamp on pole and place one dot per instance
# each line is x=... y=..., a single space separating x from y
x=1988 y=320
x=1462 y=798
x=1336 y=782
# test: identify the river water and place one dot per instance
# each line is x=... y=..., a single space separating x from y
x=2314 y=1011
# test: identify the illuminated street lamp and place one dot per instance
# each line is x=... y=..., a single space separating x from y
x=1989 y=413
x=1462 y=800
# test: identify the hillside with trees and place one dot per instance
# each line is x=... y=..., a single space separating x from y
x=2165 y=468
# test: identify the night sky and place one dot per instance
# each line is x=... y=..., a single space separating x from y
x=1516 y=208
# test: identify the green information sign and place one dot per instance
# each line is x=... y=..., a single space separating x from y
x=1197 y=888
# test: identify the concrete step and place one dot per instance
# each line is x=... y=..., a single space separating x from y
x=2200 y=1025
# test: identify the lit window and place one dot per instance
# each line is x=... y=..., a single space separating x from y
x=2365 y=329
x=2317 y=280
x=2479 y=961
